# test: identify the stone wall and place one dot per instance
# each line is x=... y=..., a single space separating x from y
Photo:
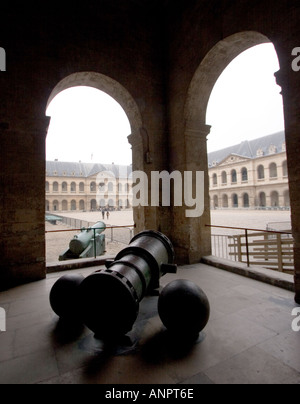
x=166 y=56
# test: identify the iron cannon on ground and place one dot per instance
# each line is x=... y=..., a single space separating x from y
x=110 y=298
x=87 y=244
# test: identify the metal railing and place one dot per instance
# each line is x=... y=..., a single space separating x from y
x=112 y=233
x=269 y=249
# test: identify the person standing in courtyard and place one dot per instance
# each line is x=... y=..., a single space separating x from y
x=107 y=214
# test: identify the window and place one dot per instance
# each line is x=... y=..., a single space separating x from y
x=233 y=177
x=47 y=186
x=273 y=170
x=215 y=180
x=64 y=187
x=244 y=175
x=235 y=201
x=55 y=187
x=225 y=201
x=284 y=169
x=224 y=178
x=246 y=201
x=73 y=187
x=261 y=172
x=110 y=187
x=93 y=187
x=274 y=199
x=81 y=187
x=262 y=200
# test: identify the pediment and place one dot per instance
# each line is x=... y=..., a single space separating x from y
x=233 y=159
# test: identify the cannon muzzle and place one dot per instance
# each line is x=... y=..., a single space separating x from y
x=81 y=241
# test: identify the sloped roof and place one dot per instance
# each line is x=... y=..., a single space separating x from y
x=85 y=170
x=249 y=149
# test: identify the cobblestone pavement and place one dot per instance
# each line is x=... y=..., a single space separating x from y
x=57 y=243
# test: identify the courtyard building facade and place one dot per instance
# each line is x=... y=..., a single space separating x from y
x=251 y=175
x=87 y=186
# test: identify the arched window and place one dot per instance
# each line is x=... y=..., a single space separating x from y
x=93 y=205
x=55 y=206
x=244 y=174
x=224 y=178
x=47 y=186
x=286 y=196
x=93 y=187
x=235 y=201
x=262 y=200
x=216 y=202
x=73 y=187
x=120 y=187
x=82 y=205
x=215 y=180
x=64 y=205
x=246 y=201
x=64 y=187
x=110 y=187
x=55 y=186
x=273 y=170
x=284 y=169
x=73 y=205
x=81 y=187
x=274 y=199
x=261 y=172
x=233 y=177
x=225 y=201
x=102 y=187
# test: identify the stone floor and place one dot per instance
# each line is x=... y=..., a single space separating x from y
x=249 y=339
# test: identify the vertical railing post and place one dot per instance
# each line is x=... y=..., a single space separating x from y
x=247 y=248
x=95 y=244
x=279 y=252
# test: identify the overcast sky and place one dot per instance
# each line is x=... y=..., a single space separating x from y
x=89 y=126
x=246 y=103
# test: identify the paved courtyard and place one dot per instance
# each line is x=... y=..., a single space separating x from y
x=249 y=339
x=56 y=243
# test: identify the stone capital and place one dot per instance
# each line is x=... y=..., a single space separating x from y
x=197 y=131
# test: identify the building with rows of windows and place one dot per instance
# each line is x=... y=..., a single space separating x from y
x=253 y=174
x=87 y=186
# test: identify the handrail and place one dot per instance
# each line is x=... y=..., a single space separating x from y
x=246 y=235
x=244 y=229
x=86 y=228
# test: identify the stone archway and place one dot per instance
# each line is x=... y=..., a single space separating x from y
x=196 y=128
x=129 y=105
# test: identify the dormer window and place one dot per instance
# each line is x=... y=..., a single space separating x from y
x=259 y=153
x=272 y=149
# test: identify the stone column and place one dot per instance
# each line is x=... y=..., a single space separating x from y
x=22 y=184
x=290 y=84
x=193 y=238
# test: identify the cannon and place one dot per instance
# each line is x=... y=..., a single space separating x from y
x=87 y=244
x=110 y=298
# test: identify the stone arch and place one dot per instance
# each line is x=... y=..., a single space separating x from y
x=120 y=94
x=196 y=128
x=108 y=86
x=210 y=69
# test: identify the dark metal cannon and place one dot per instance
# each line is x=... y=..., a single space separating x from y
x=87 y=244
x=110 y=298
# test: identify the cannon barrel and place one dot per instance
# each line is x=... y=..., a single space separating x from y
x=110 y=298
x=81 y=241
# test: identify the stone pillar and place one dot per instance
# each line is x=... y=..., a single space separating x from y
x=290 y=84
x=192 y=237
x=22 y=184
